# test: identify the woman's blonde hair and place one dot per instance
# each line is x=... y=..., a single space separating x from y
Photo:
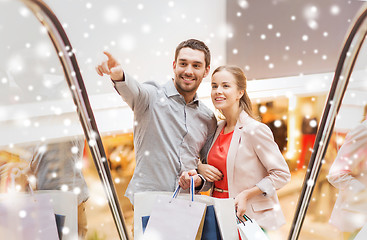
x=241 y=82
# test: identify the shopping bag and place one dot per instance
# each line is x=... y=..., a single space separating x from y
x=173 y=218
x=224 y=212
x=210 y=229
x=64 y=203
x=225 y=215
x=362 y=234
x=144 y=221
x=60 y=221
x=25 y=216
x=250 y=230
x=209 y=232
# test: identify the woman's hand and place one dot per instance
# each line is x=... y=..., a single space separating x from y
x=210 y=173
x=241 y=199
x=240 y=202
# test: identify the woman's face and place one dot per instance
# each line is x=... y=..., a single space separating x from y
x=225 y=93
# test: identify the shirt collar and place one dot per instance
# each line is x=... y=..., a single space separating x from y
x=171 y=91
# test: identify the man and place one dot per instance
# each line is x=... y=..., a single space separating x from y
x=55 y=166
x=172 y=129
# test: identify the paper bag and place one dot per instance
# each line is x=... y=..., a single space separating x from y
x=25 y=216
x=173 y=218
x=250 y=230
x=224 y=212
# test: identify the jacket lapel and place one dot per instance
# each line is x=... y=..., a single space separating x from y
x=233 y=149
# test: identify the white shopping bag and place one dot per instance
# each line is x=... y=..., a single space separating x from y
x=224 y=210
x=173 y=218
x=25 y=216
x=64 y=203
x=56 y=201
x=362 y=235
x=250 y=230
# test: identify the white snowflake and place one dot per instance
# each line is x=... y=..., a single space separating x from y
x=22 y=214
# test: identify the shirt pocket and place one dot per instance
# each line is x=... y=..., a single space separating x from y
x=261 y=206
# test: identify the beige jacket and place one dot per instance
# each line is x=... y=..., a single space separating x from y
x=254 y=159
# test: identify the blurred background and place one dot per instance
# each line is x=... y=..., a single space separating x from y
x=288 y=49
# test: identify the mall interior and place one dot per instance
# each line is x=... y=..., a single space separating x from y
x=288 y=49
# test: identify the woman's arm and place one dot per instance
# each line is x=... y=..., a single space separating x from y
x=347 y=162
x=210 y=173
x=271 y=158
x=242 y=198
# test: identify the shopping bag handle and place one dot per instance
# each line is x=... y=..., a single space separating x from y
x=241 y=221
x=177 y=191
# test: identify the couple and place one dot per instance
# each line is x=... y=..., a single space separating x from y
x=176 y=136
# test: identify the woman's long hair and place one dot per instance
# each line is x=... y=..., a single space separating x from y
x=241 y=81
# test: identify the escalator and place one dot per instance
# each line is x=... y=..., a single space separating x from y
x=347 y=96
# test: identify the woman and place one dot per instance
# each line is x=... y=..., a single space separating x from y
x=349 y=174
x=244 y=151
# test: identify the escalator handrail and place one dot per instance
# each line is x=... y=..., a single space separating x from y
x=343 y=71
x=76 y=85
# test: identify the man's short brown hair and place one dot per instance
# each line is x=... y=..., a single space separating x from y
x=196 y=45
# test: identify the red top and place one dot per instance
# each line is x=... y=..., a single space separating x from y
x=217 y=157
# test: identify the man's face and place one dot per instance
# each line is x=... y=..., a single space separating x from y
x=189 y=69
